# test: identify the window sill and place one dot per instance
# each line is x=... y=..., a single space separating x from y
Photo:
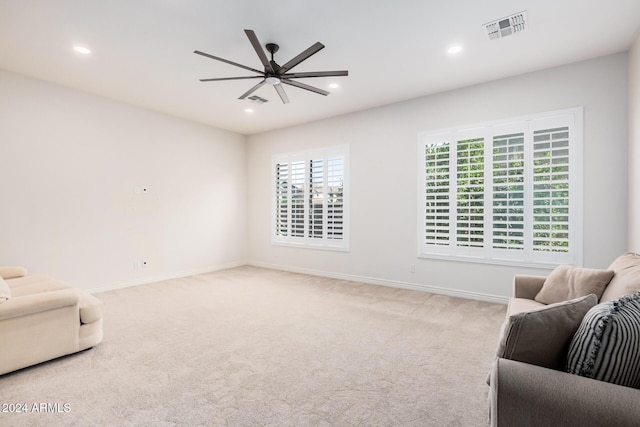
x=344 y=248
x=545 y=265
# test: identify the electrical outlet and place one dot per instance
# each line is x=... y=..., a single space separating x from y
x=141 y=190
x=412 y=268
x=141 y=263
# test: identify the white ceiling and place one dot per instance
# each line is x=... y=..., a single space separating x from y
x=142 y=50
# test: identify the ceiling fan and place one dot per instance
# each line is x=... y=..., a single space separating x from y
x=275 y=74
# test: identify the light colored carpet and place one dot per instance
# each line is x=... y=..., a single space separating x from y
x=258 y=347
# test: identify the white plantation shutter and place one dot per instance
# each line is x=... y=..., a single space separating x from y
x=296 y=195
x=551 y=190
x=282 y=199
x=470 y=193
x=316 y=198
x=436 y=194
x=508 y=191
x=335 y=198
x=503 y=192
x=310 y=199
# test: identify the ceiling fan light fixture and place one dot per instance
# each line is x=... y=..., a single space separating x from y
x=272 y=80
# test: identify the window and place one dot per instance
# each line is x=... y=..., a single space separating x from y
x=505 y=192
x=311 y=199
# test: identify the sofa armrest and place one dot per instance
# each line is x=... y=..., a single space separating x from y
x=527 y=395
x=12 y=272
x=527 y=286
x=36 y=303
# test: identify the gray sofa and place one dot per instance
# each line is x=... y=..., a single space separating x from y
x=523 y=394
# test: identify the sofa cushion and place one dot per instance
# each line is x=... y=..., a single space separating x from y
x=606 y=347
x=37 y=287
x=626 y=280
x=12 y=272
x=5 y=292
x=542 y=336
x=568 y=282
x=28 y=280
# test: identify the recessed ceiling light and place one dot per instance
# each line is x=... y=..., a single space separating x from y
x=248 y=110
x=454 y=50
x=334 y=85
x=81 y=49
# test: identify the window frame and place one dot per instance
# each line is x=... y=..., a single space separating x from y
x=306 y=241
x=527 y=257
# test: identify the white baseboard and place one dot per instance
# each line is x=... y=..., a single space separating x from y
x=354 y=278
x=151 y=279
x=392 y=283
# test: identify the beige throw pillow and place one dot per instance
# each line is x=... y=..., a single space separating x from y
x=567 y=282
x=627 y=277
x=541 y=337
x=5 y=292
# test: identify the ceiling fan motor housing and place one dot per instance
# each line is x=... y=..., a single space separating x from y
x=272 y=48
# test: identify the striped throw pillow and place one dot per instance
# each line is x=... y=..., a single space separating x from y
x=606 y=346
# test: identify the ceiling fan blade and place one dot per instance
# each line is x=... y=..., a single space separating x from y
x=228 y=62
x=258 y=48
x=253 y=89
x=304 y=86
x=282 y=93
x=315 y=74
x=231 y=78
x=301 y=57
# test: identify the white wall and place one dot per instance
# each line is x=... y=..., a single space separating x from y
x=384 y=177
x=69 y=165
x=634 y=146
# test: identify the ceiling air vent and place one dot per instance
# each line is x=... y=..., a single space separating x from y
x=506 y=26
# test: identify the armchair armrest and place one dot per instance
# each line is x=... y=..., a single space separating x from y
x=527 y=286
x=528 y=395
x=12 y=272
x=36 y=303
